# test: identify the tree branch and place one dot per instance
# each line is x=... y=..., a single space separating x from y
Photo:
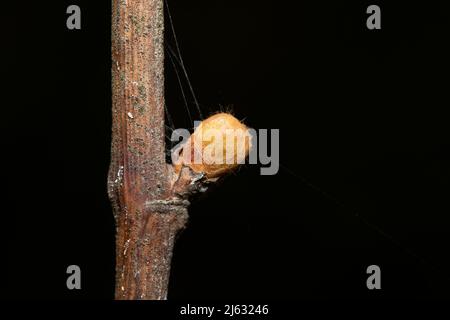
x=149 y=197
x=138 y=173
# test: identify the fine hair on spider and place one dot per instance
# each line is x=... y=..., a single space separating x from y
x=221 y=120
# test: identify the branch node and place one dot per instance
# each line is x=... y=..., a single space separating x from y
x=178 y=206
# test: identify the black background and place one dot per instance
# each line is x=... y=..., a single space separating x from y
x=364 y=149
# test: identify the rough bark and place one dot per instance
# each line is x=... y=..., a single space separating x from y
x=139 y=179
x=149 y=197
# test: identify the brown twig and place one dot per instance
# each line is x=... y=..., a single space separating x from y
x=149 y=197
x=139 y=183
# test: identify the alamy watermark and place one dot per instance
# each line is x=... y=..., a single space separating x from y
x=230 y=146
